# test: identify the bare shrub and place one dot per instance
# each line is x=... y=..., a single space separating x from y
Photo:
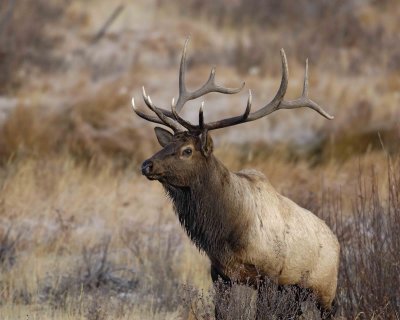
x=239 y=302
x=231 y=303
x=370 y=256
x=156 y=256
x=9 y=239
x=286 y=302
x=95 y=274
x=99 y=286
x=369 y=286
x=197 y=303
x=8 y=243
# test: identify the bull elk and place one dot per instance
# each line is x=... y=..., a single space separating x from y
x=248 y=230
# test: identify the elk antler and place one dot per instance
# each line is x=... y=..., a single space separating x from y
x=177 y=123
x=169 y=118
x=163 y=116
x=277 y=102
x=207 y=87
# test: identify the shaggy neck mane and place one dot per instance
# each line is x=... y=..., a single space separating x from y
x=203 y=208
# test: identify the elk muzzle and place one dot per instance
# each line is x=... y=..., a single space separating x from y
x=151 y=170
x=147 y=167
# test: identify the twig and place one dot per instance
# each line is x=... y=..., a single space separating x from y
x=108 y=23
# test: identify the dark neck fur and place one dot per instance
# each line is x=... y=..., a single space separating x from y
x=201 y=208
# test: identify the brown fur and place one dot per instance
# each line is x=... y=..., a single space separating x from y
x=247 y=229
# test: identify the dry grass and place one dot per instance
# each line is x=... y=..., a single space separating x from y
x=90 y=129
x=61 y=265
x=25 y=40
x=91 y=245
x=84 y=236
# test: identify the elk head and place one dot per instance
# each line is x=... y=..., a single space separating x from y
x=182 y=158
x=190 y=147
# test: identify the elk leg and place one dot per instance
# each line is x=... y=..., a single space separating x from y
x=222 y=286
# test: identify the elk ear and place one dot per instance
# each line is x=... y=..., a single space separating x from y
x=163 y=136
x=207 y=144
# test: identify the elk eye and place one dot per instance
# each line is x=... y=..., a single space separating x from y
x=187 y=152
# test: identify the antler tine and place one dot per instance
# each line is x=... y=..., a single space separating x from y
x=180 y=120
x=305 y=85
x=208 y=87
x=304 y=101
x=162 y=118
x=164 y=111
x=201 y=117
x=277 y=102
x=248 y=107
x=267 y=109
x=144 y=115
x=211 y=86
x=182 y=70
x=274 y=104
x=227 y=122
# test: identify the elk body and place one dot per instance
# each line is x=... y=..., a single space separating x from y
x=248 y=230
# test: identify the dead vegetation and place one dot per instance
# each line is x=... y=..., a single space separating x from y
x=150 y=269
x=370 y=255
x=88 y=130
x=85 y=237
x=347 y=27
x=25 y=40
x=369 y=260
x=8 y=243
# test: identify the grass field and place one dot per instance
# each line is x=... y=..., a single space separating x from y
x=83 y=235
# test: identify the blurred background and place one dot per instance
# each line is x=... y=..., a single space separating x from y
x=84 y=235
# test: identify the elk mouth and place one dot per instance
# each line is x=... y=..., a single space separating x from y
x=161 y=177
x=153 y=176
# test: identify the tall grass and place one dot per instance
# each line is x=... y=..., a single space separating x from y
x=149 y=268
x=369 y=281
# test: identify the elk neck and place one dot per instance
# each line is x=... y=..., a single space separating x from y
x=207 y=209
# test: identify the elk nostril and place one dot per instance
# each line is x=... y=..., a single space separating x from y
x=147 y=167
